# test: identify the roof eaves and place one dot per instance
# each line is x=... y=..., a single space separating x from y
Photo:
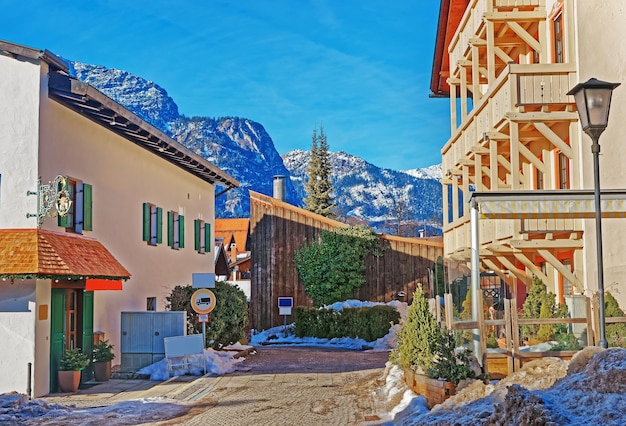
x=89 y=102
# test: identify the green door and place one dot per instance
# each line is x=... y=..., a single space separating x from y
x=87 y=335
x=57 y=334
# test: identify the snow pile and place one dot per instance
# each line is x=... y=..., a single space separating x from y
x=542 y=392
x=216 y=362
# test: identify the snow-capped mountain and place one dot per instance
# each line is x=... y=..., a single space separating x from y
x=242 y=148
x=377 y=195
x=432 y=172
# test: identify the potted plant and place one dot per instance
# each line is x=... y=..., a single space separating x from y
x=102 y=357
x=70 y=366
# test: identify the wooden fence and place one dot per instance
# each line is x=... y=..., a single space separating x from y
x=278 y=230
x=509 y=358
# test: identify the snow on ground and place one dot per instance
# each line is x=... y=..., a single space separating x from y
x=589 y=389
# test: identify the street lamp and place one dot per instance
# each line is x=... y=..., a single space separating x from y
x=593 y=100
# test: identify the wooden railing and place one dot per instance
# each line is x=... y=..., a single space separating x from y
x=504 y=361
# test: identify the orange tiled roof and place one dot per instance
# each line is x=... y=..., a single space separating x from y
x=43 y=253
x=229 y=228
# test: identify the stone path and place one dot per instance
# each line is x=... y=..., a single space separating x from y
x=281 y=386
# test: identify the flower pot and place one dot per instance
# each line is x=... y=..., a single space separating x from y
x=102 y=371
x=69 y=380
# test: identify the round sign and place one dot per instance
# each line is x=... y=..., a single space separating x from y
x=203 y=301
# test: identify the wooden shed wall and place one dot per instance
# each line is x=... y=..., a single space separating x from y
x=279 y=229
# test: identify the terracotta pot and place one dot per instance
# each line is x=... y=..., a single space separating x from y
x=102 y=371
x=69 y=380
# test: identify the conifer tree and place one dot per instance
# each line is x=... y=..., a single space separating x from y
x=319 y=187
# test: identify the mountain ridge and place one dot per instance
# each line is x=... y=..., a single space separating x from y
x=244 y=149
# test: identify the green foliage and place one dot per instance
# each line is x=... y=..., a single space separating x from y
x=438 y=277
x=368 y=323
x=566 y=342
x=103 y=351
x=615 y=333
x=73 y=360
x=333 y=268
x=540 y=303
x=319 y=186
x=492 y=342
x=419 y=336
x=228 y=320
x=451 y=364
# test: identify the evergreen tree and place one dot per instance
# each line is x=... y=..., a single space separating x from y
x=319 y=187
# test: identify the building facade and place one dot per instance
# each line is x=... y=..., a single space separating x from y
x=139 y=201
x=507 y=66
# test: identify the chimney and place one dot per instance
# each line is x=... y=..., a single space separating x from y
x=279 y=187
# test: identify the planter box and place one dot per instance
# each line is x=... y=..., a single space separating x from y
x=435 y=391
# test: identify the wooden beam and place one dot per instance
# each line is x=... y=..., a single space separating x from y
x=503 y=56
x=534 y=269
x=546 y=244
x=539 y=15
x=524 y=35
x=542 y=116
x=481 y=150
x=514 y=269
x=477 y=41
x=531 y=157
x=554 y=139
x=505 y=163
x=556 y=263
x=493 y=135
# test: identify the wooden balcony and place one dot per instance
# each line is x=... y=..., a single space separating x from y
x=520 y=89
x=457 y=234
x=472 y=23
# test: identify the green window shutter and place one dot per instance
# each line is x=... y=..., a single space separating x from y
x=170 y=229
x=87 y=207
x=146 y=221
x=207 y=237
x=181 y=231
x=196 y=234
x=159 y=230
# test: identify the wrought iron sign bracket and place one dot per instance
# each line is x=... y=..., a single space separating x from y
x=53 y=194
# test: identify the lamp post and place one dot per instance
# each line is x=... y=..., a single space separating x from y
x=593 y=100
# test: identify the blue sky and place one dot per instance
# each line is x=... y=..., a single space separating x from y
x=360 y=67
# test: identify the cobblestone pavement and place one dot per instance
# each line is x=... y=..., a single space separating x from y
x=279 y=386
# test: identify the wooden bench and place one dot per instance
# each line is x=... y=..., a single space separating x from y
x=184 y=351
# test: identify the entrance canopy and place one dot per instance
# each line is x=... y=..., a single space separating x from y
x=39 y=253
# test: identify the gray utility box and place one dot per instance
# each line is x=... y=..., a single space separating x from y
x=142 y=336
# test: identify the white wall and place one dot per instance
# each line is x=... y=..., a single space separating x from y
x=41 y=374
x=19 y=133
x=124 y=176
x=601 y=53
x=17 y=333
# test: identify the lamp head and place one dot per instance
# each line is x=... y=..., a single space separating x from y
x=593 y=101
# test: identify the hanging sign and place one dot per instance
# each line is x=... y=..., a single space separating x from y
x=203 y=301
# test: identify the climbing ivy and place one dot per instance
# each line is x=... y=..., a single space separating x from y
x=334 y=267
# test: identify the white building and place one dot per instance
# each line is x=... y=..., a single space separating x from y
x=139 y=224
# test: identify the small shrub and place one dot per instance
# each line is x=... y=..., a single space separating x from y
x=103 y=351
x=419 y=336
x=228 y=320
x=73 y=360
x=566 y=342
x=451 y=363
x=368 y=323
x=615 y=333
